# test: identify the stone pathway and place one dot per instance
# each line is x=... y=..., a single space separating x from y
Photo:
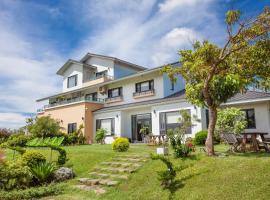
x=110 y=173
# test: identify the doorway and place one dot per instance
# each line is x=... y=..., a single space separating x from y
x=137 y=123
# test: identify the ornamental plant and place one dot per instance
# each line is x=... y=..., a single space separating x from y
x=100 y=135
x=120 y=144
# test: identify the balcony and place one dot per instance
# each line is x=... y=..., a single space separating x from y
x=97 y=80
x=70 y=102
x=114 y=99
x=143 y=94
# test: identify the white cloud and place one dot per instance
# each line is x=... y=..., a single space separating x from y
x=11 y=120
x=170 y=5
x=178 y=37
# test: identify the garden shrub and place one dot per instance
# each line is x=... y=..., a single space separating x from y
x=62 y=158
x=43 y=172
x=100 y=135
x=18 y=140
x=14 y=175
x=4 y=134
x=32 y=193
x=200 y=137
x=120 y=144
x=32 y=158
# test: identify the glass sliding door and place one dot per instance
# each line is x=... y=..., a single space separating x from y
x=138 y=122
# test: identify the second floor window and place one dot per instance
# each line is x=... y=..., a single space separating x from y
x=92 y=96
x=72 y=81
x=101 y=74
x=72 y=127
x=250 y=117
x=145 y=86
x=116 y=92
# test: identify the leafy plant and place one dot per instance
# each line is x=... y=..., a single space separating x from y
x=32 y=158
x=230 y=120
x=62 y=158
x=100 y=135
x=144 y=130
x=120 y=144
x=200 y=137
x=44 y=126
x=43 y=171
x=14 y=174
x=177 y=136
x=18 y=140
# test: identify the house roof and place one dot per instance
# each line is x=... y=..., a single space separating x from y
x=69 y=62
x=88 y=55
x=181 y=96
x=139 y=73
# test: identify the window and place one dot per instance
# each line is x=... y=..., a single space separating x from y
x=91 y=97
x=107 y=124
x=101 y=74
x=116 y=92
x=144 y=86
x=72 y=81
x=170 y=120
x=250 y=117
x=72 y=127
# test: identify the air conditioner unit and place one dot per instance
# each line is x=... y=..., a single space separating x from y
x=102 y=89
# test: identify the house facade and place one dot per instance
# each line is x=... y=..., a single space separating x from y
x=122 y=97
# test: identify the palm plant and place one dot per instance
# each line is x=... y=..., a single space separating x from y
x=43 y=171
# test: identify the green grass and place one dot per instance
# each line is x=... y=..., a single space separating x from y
x=240 y=176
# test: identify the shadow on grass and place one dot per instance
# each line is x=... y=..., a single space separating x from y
x=177 y=184
x=251 y=154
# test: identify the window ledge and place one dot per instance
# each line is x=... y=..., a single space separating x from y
x=143 y=94
x=114 y=99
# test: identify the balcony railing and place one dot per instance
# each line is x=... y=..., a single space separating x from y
x=99 y=79
x=71 y=101
x=114 y=99
x=144 y=93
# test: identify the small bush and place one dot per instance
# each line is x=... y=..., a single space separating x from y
x=120 y=144
x=200 y=137
x=18 y=140
x=32 y=158
x=100 y=135
x=32 y=193
x=62 y=158
x=43 y=172
x=14 y=175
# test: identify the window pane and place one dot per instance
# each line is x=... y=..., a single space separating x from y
x=172 y=117
x=107 y=125
x=115 y=92
x=145 y=86
x=72 y=81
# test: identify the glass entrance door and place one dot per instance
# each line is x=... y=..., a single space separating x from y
x=139 y=122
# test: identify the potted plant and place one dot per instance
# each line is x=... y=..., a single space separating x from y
x=144 y=131
x=163 y=150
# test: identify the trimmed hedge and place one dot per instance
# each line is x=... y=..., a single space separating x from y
x=32 y=193
x=200 y=137
x=120 y=144
x=32 y=158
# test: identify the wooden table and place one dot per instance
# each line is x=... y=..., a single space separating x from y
x=254 y=142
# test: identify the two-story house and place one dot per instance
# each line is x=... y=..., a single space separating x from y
x=122 y=97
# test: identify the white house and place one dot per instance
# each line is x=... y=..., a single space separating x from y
x=122 y=97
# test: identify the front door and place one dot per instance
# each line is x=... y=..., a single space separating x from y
x=139 y=122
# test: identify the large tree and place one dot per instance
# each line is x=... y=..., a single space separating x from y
x=213 y=73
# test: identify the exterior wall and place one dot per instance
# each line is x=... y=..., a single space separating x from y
x=80 y=113
x=129 y=87
x=262 y=115
x=122 y=70
x=73 y=70
x=178 y=85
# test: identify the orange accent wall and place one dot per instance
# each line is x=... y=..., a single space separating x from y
x=81 y=113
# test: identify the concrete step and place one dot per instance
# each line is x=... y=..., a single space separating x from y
x=116 y=170
x=105 y=176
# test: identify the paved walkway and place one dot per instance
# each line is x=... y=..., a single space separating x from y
x=111 y=173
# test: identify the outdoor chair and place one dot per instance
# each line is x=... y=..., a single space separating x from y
x=232 y=140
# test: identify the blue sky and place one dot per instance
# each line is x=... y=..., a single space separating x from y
x=38 y=36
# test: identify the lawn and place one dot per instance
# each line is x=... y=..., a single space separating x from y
x=241 y=176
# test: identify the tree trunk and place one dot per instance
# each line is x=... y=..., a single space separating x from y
x=211 y=128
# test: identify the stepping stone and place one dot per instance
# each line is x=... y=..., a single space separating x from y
x=123 y=177
x=108 y=182
x=88 y=181
x=98 y=190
